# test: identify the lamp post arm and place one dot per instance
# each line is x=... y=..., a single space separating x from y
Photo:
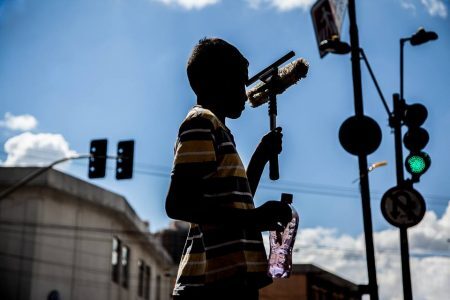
x=38 y=172
x=402 y=44
x=380 y=93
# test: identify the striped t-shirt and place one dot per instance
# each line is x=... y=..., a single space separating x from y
x=217 y=256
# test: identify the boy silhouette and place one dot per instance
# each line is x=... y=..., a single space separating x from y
x=224 y=255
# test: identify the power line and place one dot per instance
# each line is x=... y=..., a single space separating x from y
x=282 y=185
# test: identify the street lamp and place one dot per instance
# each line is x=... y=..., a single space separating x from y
x=420 y=37
x=335 y=46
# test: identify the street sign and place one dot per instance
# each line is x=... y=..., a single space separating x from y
x=403 y=207
x=327 y=17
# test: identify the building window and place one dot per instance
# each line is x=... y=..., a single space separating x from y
x=158 y=287
x=339 y=296
x=120 y=262
x=144 y=279
x=147 y=281
x=125 y=266
x=141 y=267
x=319 y=293
x=115 y=259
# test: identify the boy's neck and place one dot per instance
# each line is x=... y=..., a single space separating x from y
x=216 y=111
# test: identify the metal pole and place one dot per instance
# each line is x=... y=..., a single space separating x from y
x=362 y=158
x=274 y=172
x=406 y=272
x=399 y=104
x=397 y=126
x=375 y=82
x=402 y=43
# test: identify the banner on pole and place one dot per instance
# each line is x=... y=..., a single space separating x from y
x=327 y=17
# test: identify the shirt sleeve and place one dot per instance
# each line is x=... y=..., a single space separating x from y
x=195 y=151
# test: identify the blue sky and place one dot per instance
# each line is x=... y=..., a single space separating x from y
x=72 y=71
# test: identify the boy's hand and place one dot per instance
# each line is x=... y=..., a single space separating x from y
x=270 y=145
x=273 y=215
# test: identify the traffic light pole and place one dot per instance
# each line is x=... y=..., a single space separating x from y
x=399 y=103
x=396 y=124
x=362 y=158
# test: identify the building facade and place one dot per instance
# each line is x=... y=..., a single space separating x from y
x=64 y=238
x=308 y=282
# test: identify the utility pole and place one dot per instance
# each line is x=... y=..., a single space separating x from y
x=417 y=162
x=362 y=157
x=359 y=134
x=404 y=248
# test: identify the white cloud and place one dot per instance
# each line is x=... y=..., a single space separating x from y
x=435 y=7
x=408 y=4
x=189 y=4
x=345 y=255
x=20 y=122
x=255 y=4
x=282 y=5
x=28 y=149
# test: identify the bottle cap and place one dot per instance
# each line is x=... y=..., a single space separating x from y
x=287 y=198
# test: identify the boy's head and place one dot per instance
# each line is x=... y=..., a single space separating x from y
x=217 y=73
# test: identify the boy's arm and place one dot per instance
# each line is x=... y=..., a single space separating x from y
x=269 y=146
x=185 y=202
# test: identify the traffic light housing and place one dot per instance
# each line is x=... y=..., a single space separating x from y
x=124 y=160
x=415 y=139
x=97 y=159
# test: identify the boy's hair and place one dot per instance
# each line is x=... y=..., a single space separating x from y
x=213 y=60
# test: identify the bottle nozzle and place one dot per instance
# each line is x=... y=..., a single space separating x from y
x=287 y=198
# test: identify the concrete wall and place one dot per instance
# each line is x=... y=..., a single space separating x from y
x=17 y=247
x=55 y=240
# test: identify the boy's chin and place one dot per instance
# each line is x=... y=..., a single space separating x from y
x=235 y=114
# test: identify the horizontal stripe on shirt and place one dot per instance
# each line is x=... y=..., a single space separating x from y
x=228 y=261
x=228 y=194
x=233 y=242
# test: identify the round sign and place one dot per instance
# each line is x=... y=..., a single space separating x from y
x=403 y=207
x=360 y=135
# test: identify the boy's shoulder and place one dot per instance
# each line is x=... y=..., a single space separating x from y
x=204 y=116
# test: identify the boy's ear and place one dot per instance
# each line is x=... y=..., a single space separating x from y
x=212 y=83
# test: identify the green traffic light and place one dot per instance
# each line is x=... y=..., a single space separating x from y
x=417 y=164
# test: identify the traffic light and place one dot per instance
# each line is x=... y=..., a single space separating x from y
x=415 y=139
x=97 y=160
x=124 y=161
